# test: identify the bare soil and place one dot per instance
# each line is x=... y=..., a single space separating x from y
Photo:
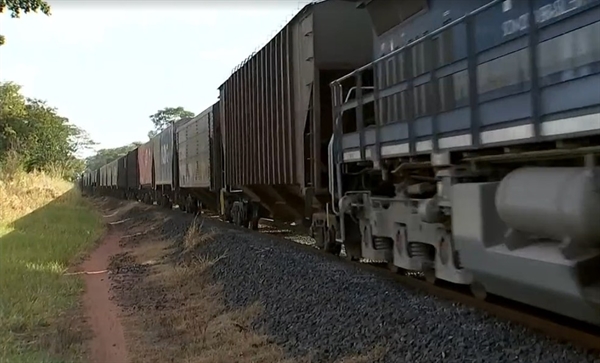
x=108 y=343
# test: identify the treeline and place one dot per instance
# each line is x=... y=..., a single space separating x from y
x=161 y=119
x=34 y=136
x=105 y=156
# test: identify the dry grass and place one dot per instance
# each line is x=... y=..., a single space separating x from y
x=183 y=317
x=22 y=193
x=196 y=237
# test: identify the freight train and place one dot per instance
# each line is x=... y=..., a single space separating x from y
x=457 y=139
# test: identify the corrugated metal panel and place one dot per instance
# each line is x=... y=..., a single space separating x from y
x=216 y=149
x=144 y=157
x=113 y=173
x=106 y=177
x=271 y=106
x=163 y=157
x=133 y=180
x=256 y=117
x=102 y=176
x=303 y=83
x=193 y=147
x=122 y=172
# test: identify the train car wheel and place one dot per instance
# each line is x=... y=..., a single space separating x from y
x=478 y=290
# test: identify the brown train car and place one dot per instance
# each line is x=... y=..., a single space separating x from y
x=276 y=108
x=145 y=172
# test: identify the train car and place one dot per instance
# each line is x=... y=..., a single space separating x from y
x=122 y=172
x=112 y=178
x=473 y=156
x=199 y=158
x=133 y=177
x=165 y=167
x=103 y=182
x=94 y=180
x=145 y=161
x=276 y=111
x=83 y=182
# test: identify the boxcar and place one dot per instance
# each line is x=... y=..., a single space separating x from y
x=103 y=177
x=113 y=174
x=133 y=179
x=199 y=154
x=122 y=172
x=165 y=166
x=275 y=108
x=145 y=162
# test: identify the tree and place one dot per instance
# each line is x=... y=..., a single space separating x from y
x=167 y=116
x=105 y=156
x=26 y=6
x=33 y=130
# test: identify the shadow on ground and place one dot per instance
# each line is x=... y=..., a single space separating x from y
x=39 y=305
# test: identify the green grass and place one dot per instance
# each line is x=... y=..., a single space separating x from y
x=51 y=225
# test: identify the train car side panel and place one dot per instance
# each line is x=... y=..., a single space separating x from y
x=102 y=176
x=133 y=179
x=113 y=167
x=216 y=150
x=163 y=157
x=271 y=105
x=193 y=147
x=122 y=172
x=145 y=169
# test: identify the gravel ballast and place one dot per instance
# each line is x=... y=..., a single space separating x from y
x=316 y=306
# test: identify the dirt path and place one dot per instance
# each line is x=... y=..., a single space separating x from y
x=108 y=343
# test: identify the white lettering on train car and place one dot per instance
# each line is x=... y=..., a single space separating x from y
x=542 y=15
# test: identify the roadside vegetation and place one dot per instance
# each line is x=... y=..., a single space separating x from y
x=45 y=226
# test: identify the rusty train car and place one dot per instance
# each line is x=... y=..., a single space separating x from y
x=455 y=139
x=276 y=110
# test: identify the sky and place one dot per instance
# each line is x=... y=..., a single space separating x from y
x=107 y=65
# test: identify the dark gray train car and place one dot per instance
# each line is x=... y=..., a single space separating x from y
x=133 y=176
x=122 y=171
x=199 y=158
x=276 y=108
x=474 y=157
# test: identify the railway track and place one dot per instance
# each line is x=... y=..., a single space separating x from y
x=552 y=325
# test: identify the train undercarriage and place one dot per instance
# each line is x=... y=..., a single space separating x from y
x=518 y=223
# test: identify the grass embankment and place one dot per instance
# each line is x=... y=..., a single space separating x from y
x=44 y=226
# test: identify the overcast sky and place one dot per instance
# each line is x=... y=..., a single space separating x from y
x=108 y=65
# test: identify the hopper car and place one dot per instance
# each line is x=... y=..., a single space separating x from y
x=456 y=139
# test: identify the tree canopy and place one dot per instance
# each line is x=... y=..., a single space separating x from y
x=168 y=115
x=16 y=7
x=105 y=156
x=38 y=135
x=161 y=119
